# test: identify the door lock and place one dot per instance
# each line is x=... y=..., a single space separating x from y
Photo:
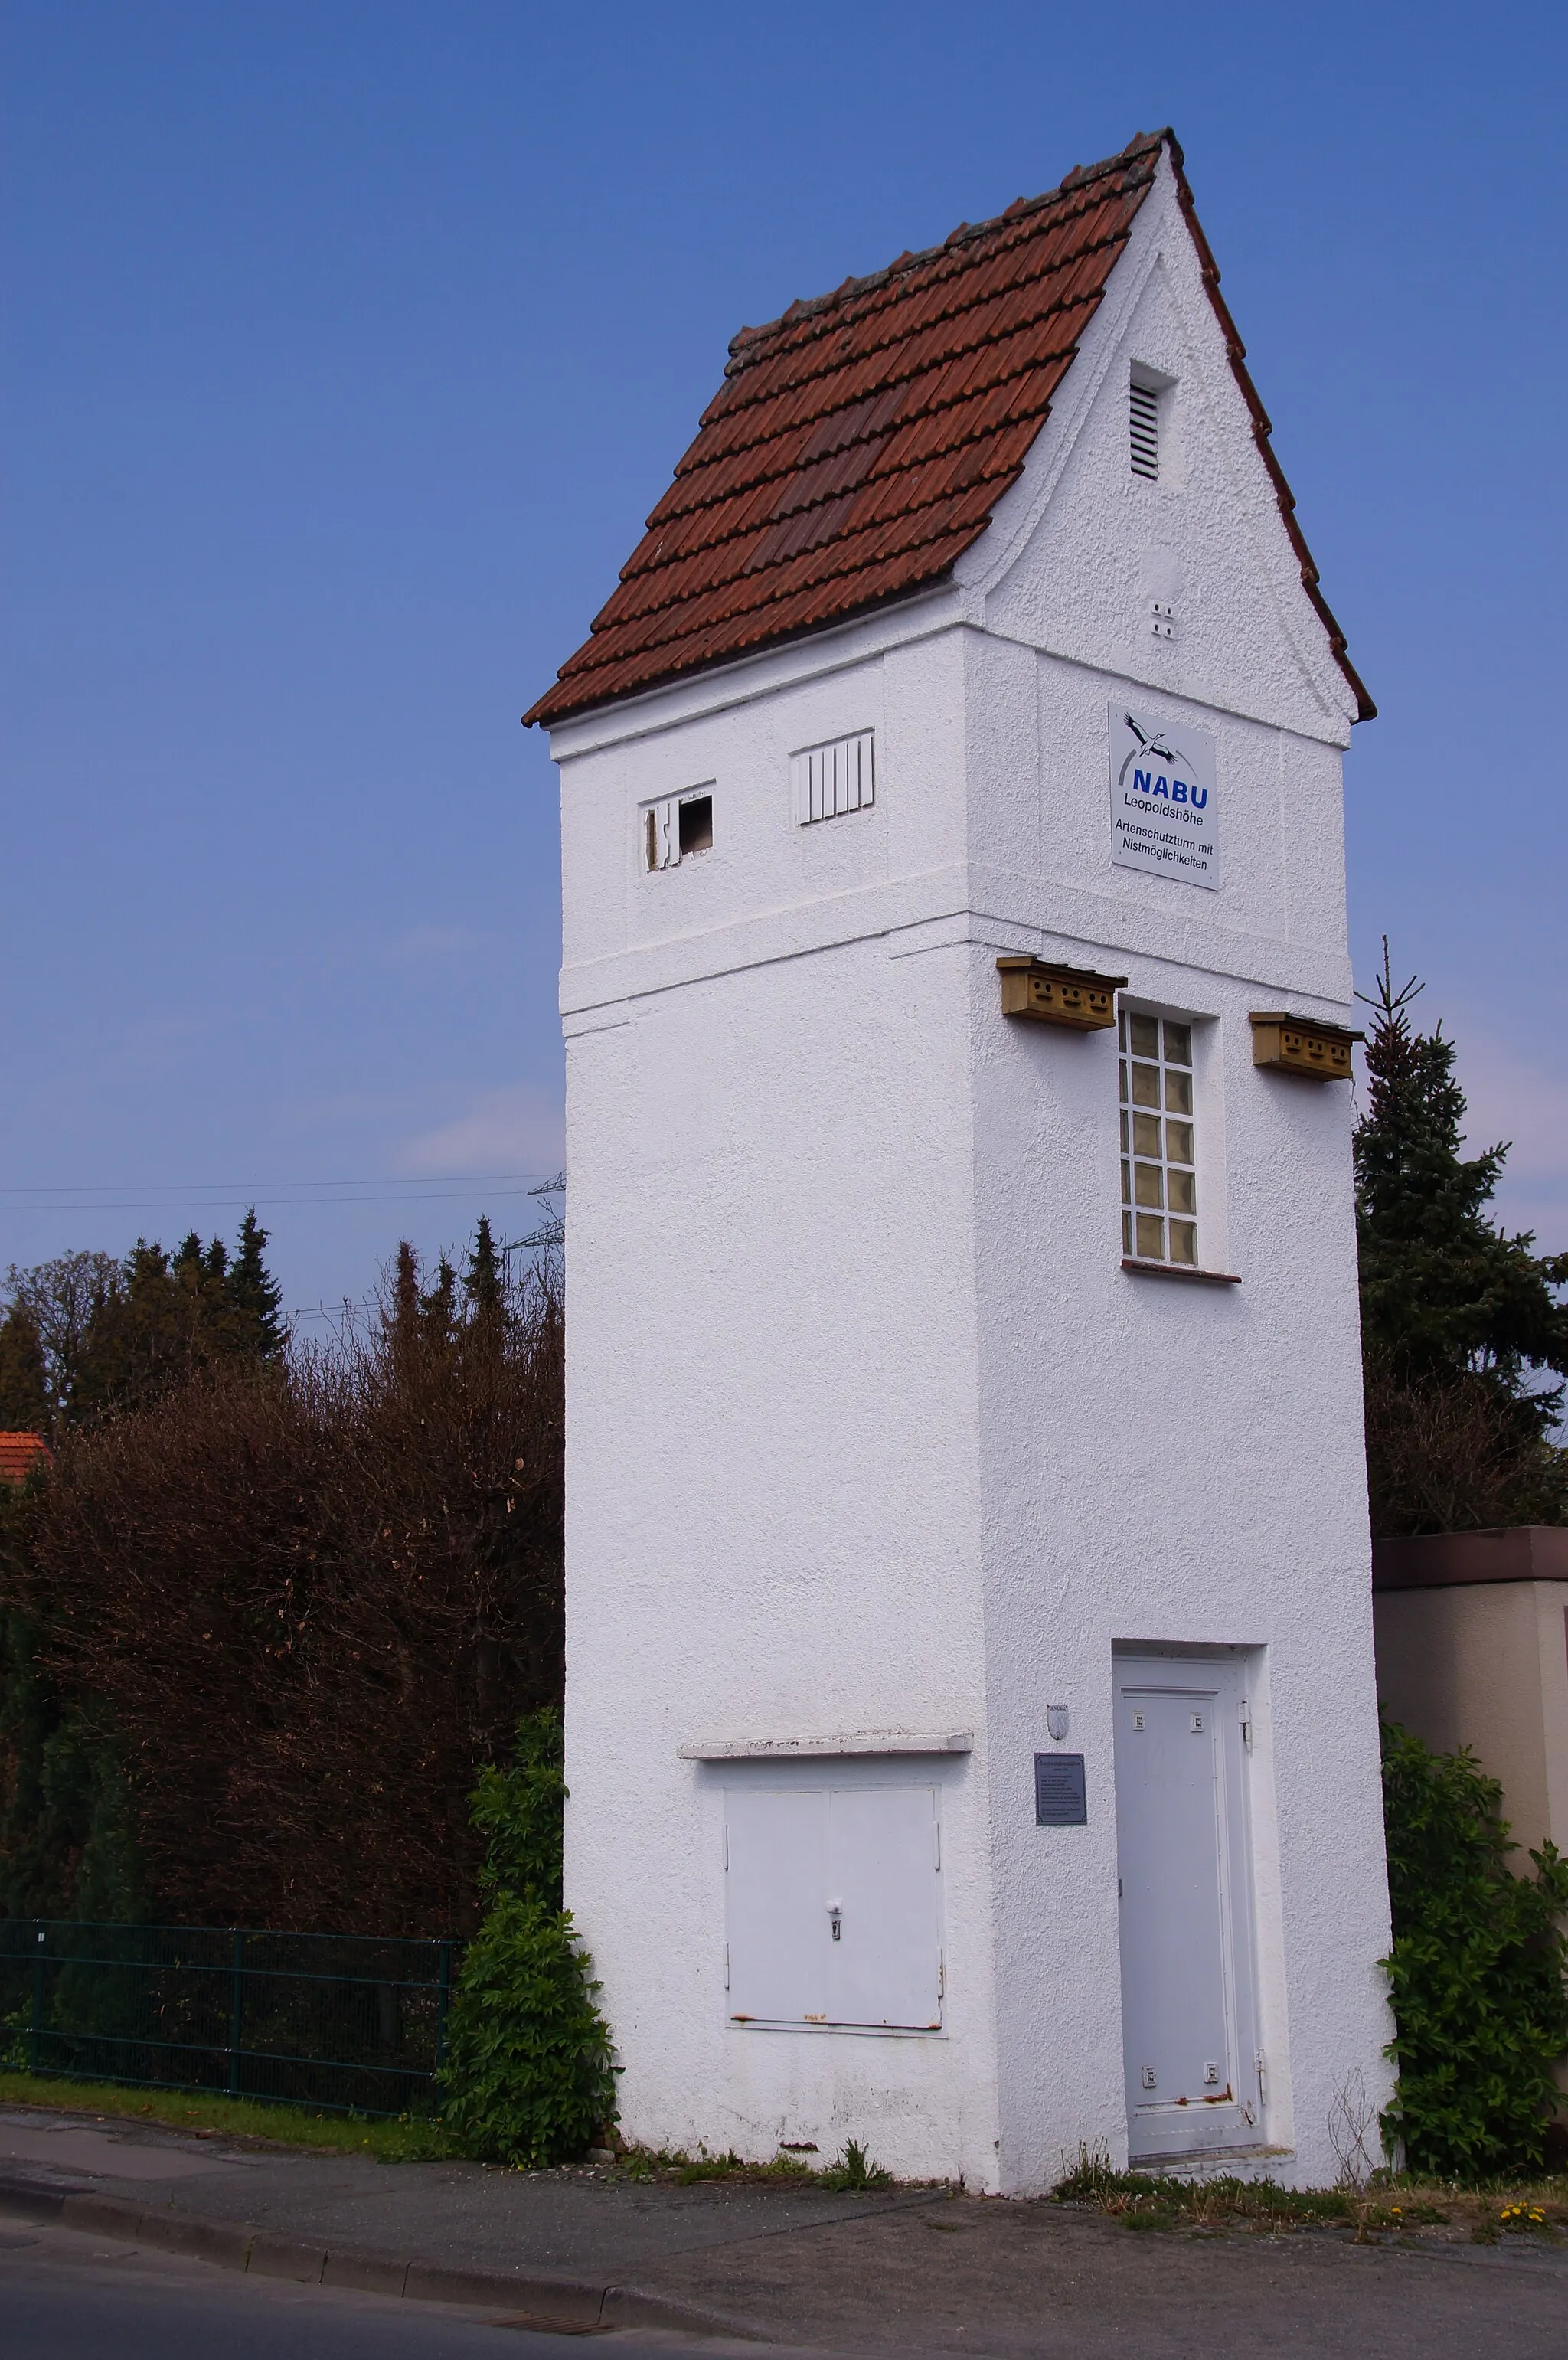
x=835 y=1914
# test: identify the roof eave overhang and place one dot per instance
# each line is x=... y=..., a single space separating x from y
x=705 y=689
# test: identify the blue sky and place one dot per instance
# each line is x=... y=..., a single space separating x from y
x=350 y=342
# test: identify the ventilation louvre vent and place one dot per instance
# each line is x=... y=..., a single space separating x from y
x=831 y=779
x=1145 y=419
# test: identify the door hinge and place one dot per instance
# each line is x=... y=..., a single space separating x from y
x=1246 y=1724
x=936 y=1839
x=942 y=1974
x=726 y=1966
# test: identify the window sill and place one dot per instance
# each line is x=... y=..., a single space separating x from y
x=1176 y=1270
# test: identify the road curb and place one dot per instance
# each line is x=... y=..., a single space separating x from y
x=549 y=2303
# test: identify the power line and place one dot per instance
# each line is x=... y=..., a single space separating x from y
x=366 y=1180
x=211 y=1196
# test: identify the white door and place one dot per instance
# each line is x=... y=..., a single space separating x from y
x=831 y=1907
x=1187 y=2008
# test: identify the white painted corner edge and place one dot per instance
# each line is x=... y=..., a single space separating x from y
x=866 y=1741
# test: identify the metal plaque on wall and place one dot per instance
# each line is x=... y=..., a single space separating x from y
x=1059 y=1799
x=1163 y=813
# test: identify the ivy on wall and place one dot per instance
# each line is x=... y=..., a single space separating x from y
x=530 y=2078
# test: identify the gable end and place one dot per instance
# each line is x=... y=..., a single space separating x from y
x=861 y=443
x=1262 y=429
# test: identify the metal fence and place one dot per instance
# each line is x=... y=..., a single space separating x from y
x=349 y=2023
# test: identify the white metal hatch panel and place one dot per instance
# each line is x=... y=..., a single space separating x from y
x=832 y=1911
x=775 y=1886
x=1188 y=2007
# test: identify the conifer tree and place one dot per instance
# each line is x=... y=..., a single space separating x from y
x=252 y=1292
x=143 y=1334
x=400 y=1316
x=438 y=1308
x=24 y=1395
x=112 y=1334
x=482 y=1281
x=1459 y=1319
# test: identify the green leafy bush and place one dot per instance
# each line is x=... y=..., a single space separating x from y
x=1475 y=1974
x=528 y=2077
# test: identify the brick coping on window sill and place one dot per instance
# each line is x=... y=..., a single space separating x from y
x=1176 y=1270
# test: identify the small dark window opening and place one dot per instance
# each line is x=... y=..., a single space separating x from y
x=697 y=826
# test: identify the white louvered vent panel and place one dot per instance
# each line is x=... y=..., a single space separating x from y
x=831 y=779
x=1145 y=412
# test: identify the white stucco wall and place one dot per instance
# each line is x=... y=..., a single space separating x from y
x=867 y=1426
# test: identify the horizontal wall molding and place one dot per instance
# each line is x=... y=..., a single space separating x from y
x=826 y=1749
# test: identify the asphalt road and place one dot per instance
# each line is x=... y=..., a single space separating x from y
x=64 y=2296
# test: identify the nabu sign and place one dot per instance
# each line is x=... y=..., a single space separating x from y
x=1163 y=798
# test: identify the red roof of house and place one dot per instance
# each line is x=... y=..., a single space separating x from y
x=20 y=1453
x=859 y=445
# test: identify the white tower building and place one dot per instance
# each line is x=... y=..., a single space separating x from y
x=971 y=1721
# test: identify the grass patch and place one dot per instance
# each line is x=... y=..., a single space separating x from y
x=406 y=2140
x=1392 y=2204
x=853 y=2172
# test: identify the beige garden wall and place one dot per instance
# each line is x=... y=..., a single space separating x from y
x=1486 y=1665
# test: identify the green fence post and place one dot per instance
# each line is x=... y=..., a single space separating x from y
x=236 y=2014
x=443 y=1991
x=38 y=2023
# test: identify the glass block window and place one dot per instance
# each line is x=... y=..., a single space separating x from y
x=1159 y=1184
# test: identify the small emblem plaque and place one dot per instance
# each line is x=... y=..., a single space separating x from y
x=1060 y=1800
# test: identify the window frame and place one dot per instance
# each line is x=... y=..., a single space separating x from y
x=659 y=827
x=1158 y=1139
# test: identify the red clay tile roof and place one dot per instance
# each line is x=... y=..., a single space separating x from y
x=18 y=1454
x=859 y=445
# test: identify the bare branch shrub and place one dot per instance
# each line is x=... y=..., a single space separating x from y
x=1351 y=2116
x=1454 y=1452
x=312 y=1600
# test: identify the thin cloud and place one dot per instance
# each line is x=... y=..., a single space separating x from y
x=517 y=1127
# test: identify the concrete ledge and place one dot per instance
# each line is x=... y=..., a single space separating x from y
x=199 y=2241
x=365 y=2274
x=846 y=1743
x=568 y=2303
x=287 y=2257
x=1450 y=1560
x=101 y=2216
x=27 y=2200
x=624 y=2307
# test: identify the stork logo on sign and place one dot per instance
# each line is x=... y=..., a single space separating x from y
x=1159 y=757
x=1162 y=798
